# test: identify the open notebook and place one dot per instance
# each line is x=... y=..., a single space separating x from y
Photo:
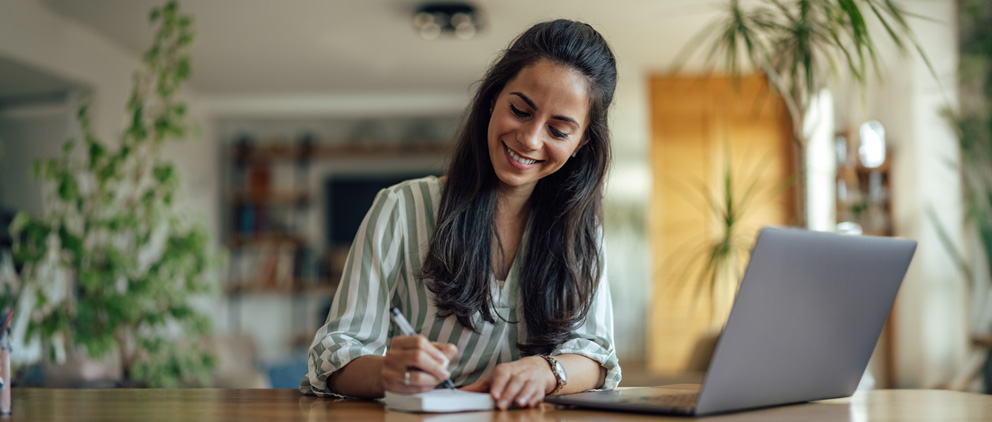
x=440 y=400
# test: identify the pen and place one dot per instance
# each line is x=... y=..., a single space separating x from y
x=408 y=330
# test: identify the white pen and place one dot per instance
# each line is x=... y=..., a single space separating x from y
x=408 y=330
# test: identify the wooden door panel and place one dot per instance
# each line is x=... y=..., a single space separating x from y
x=698 y=126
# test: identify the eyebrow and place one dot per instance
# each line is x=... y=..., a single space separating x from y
x=534 y=106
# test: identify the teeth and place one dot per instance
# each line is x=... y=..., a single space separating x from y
x=518 y=158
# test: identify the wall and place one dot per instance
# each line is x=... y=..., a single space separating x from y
x=27 y=135
x=33 y=35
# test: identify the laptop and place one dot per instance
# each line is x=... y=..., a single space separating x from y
x=807 y=315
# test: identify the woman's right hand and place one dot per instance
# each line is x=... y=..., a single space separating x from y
x=414 y=365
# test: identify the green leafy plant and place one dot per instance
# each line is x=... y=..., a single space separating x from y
x=111 y=265
x=975 y=139
x=797 y=43
x=974 y=122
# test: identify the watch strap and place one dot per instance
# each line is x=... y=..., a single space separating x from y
x=558 y=370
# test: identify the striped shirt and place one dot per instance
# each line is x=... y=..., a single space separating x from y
x=382 y=270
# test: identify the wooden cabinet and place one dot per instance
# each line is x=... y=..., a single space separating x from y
x=864 y=194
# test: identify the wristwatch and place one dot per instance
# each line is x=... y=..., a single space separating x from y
x=561 y=378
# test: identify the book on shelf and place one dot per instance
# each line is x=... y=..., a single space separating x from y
x=245 y=219
x=259 y=178
x=284 y=266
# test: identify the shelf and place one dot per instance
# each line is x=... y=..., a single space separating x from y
x=267 y=240
x=271 y=197
x=982 y=341
x=867 y=195
x=295 y=151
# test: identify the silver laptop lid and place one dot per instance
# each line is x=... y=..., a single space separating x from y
x=808 y=313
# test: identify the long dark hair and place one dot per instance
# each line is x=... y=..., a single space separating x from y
x=562 y=262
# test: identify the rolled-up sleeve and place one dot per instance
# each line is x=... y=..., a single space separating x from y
x=358 y=322
x=594 y=338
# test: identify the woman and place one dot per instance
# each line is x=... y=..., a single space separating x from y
x=500 y=265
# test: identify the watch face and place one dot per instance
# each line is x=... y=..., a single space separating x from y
x=560 y=369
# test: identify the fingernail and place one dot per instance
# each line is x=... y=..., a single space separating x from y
x=503 y=404
x=522 y=401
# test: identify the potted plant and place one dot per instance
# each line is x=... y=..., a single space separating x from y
x=111 y=265
x=797 y=43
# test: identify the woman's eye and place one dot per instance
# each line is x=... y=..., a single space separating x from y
x=517 y=112
x=557 y=133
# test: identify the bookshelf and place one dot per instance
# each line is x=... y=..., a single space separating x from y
x=277 y=212
x=271 y=198
x=268 y=201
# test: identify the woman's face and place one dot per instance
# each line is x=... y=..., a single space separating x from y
x=538 y=122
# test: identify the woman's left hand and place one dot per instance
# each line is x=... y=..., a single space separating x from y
x=522 y=382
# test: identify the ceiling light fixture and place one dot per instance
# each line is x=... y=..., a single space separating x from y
x=459 y=19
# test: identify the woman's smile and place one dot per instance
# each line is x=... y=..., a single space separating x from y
x=518 y=160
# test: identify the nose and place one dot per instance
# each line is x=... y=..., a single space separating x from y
x=529 y=136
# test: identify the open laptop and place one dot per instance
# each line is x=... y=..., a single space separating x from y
x=808 y=313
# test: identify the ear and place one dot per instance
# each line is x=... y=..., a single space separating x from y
x=584 y=142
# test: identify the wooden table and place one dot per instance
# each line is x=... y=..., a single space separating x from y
x=111 y=405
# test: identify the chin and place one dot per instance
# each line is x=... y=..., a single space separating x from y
x=513 y=182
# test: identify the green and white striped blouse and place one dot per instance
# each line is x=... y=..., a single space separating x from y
x=381 y=272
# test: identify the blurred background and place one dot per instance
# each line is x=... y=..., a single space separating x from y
x=301 y=111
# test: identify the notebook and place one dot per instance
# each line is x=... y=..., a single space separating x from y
x=441 y=400
x=807 y=316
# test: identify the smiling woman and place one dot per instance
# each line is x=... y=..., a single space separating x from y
x=500 y=264
x=532 y=132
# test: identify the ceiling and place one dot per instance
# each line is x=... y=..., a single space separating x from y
x=350 y=46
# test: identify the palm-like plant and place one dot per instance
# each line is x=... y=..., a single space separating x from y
x=712 y=266
x=974 y=122
x=973 y=125
x=797 y=44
